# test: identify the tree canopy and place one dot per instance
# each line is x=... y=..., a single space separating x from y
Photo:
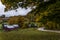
x=46 y=13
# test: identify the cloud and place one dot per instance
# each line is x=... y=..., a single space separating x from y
x=2 y=7
x=20 y=11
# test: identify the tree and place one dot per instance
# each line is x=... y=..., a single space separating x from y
x=46 y=13
x=13 y=4
x=20 y=20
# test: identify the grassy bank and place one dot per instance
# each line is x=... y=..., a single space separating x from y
x=28 y=34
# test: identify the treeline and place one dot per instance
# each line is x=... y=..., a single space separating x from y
x=46 y=14
x=49 y=15
x=14 y=4
x=22 y=21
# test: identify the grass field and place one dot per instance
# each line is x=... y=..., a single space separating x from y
x=0 y=26
x=29 y=34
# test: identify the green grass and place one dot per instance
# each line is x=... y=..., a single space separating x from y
x=0 y=26
x=29 y=34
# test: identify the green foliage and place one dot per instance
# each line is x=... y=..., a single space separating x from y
x=51 y=16
x=46 y=13
x=14 y=3
x=20 y=20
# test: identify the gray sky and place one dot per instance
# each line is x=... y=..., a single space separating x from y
x=20 y=11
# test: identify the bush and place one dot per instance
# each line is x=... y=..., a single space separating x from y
x=52 y=26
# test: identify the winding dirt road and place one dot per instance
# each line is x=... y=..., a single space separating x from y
x=42 y=29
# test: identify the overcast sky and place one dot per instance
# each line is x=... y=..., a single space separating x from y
x=20 y=11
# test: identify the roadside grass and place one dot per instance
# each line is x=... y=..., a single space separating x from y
x=0 y=26
x=29 y=34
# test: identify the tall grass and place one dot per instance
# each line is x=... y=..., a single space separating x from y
x=29 y=34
